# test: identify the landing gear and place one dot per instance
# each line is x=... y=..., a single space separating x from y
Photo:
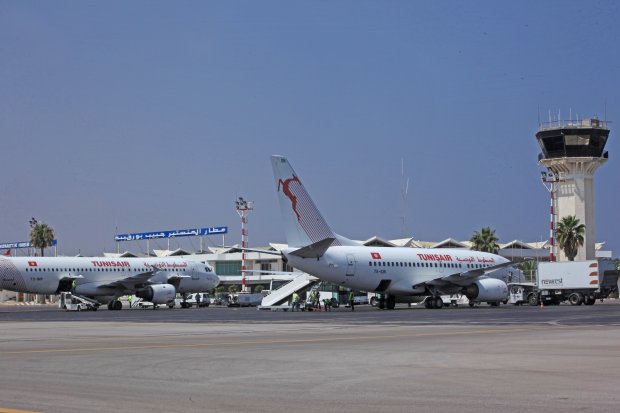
x=115 y=305
x=386 y=301
x=184 y=302
x=433 y=302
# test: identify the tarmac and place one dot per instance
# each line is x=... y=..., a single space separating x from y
x=509 y=359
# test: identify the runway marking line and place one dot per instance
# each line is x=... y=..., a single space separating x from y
x=284 y=341
x=7 y=410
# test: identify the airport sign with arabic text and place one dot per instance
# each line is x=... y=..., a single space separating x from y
x=23 y=244
x=192 y=232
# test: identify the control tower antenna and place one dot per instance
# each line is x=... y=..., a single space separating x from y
x=571 y=152
x=404 y=190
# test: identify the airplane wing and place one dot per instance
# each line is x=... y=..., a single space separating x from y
x=130 y=283
x=176 y=278
x=465 y=278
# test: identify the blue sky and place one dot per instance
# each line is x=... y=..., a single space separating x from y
x=155 y=115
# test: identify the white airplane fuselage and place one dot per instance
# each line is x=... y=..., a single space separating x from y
x=51 y=275
x=406 y=269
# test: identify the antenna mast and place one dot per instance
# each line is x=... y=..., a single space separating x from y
x=404 y=189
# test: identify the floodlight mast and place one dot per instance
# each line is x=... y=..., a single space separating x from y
x=549 y=179
x=243 y=208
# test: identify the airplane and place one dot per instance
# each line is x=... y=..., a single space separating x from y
x=106 y=279
x=398 y=273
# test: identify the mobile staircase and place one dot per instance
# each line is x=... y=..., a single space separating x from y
x=276 y=299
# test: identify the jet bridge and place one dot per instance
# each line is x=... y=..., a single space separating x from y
x=283 y=293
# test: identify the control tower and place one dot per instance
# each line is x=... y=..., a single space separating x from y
x=572 y=151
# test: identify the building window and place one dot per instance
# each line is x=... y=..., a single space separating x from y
x=228 y=268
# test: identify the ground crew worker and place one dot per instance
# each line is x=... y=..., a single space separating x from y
x=327 y=304
x=198 y=300
x=295 y=301
x=130 y=299
x=73 y=285
x=352 y=300
x=316 y=299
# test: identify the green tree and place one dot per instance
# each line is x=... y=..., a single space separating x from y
x=570 y=236
x=232 y=289
x=41 y=235
x=259 y=289
x=485 y=241
x=529 y=269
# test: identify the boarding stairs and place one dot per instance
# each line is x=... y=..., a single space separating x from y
x=278 y=296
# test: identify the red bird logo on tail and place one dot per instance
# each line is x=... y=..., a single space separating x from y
x=286 y=188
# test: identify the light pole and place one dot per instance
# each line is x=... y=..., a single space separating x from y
x=33 y=223
x=549 y=179
x=243 y=208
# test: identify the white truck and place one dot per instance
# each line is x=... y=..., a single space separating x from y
x=579 y=282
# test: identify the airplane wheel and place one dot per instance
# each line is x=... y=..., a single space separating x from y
x=438 y=302
x=390 y=303
x=471 y=305
x=110 y=304
x=428 y=303
x=373 y=301
x=381 y=304
x=117 y=305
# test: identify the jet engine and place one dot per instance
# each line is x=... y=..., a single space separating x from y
x=158 y=293
x=487 y=289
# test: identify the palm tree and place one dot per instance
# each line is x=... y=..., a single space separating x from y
x=485 y=240
x=529 y=269
x=41 y=236
x=570 y=236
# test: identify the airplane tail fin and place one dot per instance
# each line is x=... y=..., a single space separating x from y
x=303 y=223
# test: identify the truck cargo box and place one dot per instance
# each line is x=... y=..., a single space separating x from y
x=568 y=275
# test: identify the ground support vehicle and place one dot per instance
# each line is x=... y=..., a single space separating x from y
x=72 y=302
x=248 y=299
x=578 y=282
x=520 y=292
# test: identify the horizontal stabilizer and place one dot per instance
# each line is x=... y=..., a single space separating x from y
x=251 y=249
x=315 y=250
x=272 y=272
